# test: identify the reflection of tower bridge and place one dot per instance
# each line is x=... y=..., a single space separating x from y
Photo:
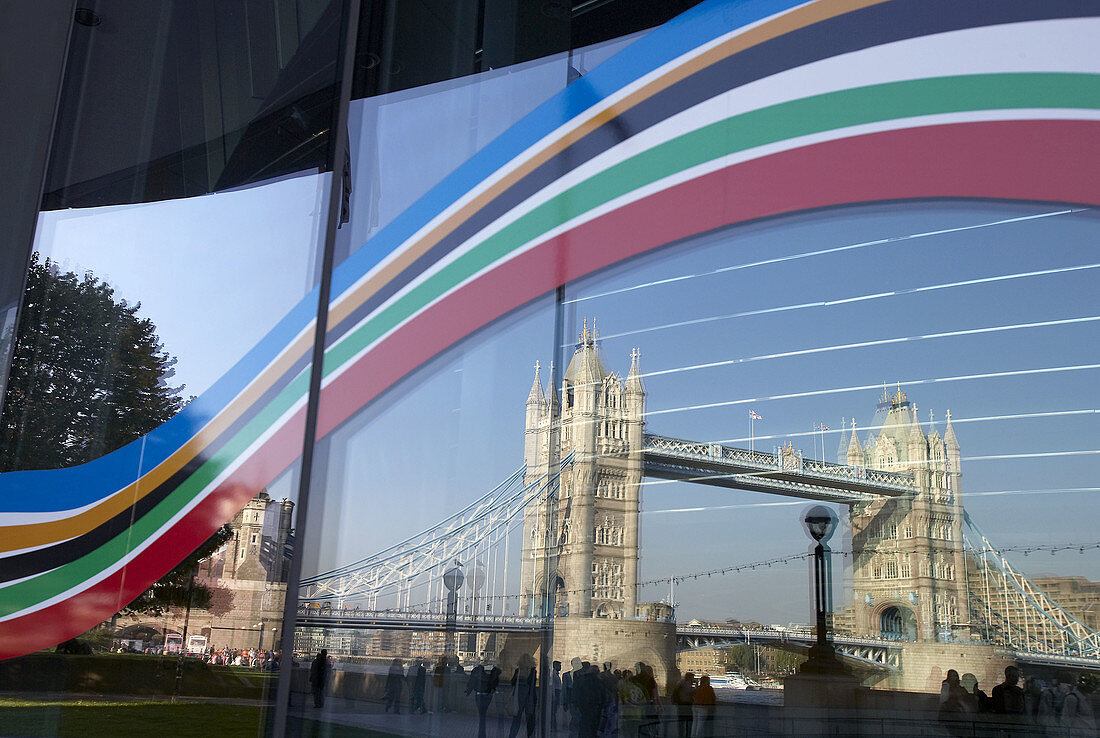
x=924 y=577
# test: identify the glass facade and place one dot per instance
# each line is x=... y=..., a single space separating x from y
x=581 y=368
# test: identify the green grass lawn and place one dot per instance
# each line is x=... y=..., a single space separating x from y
x=65 y=719
x=129 y=674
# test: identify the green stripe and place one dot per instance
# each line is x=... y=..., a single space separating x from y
x=815 y=114
x=30 y=592
x=776 y=123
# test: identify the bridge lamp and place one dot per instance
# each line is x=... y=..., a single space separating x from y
x=820 y=523
x=452 y=580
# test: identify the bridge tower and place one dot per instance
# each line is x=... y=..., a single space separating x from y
x=909 y=574
x=590 y=553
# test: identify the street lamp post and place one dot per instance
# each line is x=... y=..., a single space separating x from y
x=452 y=580
x=822 y=682
x=820 y=522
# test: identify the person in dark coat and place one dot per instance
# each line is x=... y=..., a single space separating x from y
x=318 y=677
x=418 y=681
x=395 y=682
x=525 y=691
x=1008 y=696
x=555 y=702
x=683 y=696
x=702 y=709
x=483 y=683
x=591 y=699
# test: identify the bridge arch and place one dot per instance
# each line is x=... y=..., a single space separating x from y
x=896 y=621
x=558 y=593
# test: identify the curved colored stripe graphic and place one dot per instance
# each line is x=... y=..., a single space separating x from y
x=729 y=98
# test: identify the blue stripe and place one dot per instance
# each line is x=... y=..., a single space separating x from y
x=65 y=489
x=697 y=26
x=55 y=490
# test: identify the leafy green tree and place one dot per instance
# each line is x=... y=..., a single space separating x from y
x=88 y=375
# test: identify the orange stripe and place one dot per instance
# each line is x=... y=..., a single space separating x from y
x=13 y=537
x=36 y=534
x=793 y=20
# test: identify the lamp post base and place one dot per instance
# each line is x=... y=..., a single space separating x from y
x=822 y=681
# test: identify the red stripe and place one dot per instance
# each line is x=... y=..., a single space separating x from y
x=79 y=613
x=1045 y=160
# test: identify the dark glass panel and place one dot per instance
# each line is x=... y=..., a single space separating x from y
x=32 y=77
x=168 y=100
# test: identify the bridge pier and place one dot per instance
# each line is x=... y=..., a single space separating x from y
x=621 y=642
x=924 y=666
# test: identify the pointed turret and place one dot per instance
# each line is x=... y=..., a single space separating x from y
x=918 y=444
x=855 y=452
x=551 y=394
x=949 y=435
x=536 y=400
x=634 y=388
x=537 y=396
x=951 y=444
x=584 y=377
x=842 y=444
x=634 y=376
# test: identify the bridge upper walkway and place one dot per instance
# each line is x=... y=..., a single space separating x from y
x=786 y=472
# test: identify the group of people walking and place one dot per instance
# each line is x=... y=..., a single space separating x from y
x=1059 y=708
x=585 y=701
x=589 y=702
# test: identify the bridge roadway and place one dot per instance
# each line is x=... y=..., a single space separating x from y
x=784 y=473
x=880 y=653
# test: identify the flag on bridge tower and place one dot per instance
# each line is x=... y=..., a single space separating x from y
x=753 y=417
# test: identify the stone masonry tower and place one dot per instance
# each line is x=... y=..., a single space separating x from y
x=909 y=577
x=589 y=555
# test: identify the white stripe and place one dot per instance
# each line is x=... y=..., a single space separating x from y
x=227 y=513
x=1059 y=44
x=31 y=518
x=985 y=50
x=1046 y=46
x=701 y=170
x=530 y=152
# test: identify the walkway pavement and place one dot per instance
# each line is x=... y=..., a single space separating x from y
x=371 y=715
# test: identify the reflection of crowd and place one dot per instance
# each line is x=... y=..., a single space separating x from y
x=1059 y=708
x=585 y=701
x=252 y=658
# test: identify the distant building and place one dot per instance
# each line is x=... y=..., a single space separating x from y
x=1077 y=595
x=702 y=661
x=247 y=579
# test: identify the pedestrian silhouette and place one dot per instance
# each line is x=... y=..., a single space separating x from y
x=525 y=695
x=318 y=677
x=683 y=697
x=702 y=710
x=418 y=681
x=395 y=682
x=589 y=694
x=1008 y=696
x=483 y=683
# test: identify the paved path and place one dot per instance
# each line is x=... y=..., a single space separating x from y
x=370 y=714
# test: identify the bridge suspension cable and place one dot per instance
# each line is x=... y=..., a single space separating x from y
x=1022 y=615
x=419 y=560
